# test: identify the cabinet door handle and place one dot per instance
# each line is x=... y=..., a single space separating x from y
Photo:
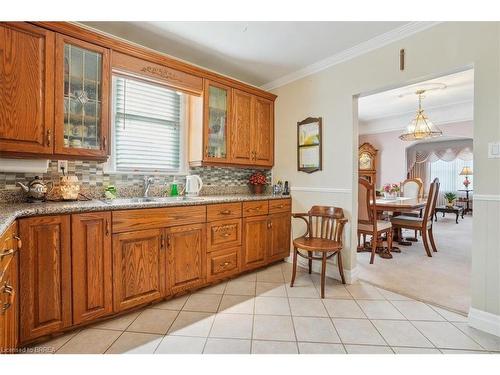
x=7 y=253
x=9 y=290
x=19 y=242
x=225 y=212
x=168 y=241
x=104 y=143
x=49 y=137
x=269 y=225
x=107 y=227
x=162 y=241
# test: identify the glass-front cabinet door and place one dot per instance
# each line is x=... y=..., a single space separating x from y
x=217 y=101
x=82 y=98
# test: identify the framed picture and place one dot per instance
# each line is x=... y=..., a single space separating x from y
x=309 y=155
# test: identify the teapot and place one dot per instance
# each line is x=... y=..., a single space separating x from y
x=37 y=190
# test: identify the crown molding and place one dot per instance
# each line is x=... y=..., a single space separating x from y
x=350 y=53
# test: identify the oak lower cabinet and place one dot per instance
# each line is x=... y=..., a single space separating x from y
x=138 y=268
x=91 y=258
x=255 y=242
x=45 y=277
x=280 y=226
x=186 y=246
x=9 y=290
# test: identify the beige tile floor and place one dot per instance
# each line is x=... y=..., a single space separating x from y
x=260 y=313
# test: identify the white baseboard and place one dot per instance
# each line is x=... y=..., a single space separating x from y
x=351 y=276
x=484 y=321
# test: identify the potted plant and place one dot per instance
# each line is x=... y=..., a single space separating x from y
x=450 y=198
x=257 y=182
x=390 y=190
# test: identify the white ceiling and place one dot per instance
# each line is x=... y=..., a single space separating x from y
x=448 y=99
x=253 y=52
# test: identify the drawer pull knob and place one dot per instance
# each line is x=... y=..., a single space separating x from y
x=225 y=264
x=225 y=212
x=226 y=234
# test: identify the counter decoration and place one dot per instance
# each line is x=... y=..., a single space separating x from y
x=110 y=192
x=257 y=182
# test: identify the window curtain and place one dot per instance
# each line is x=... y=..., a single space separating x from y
x=420 y=156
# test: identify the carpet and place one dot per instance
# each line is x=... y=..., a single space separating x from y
x=443 y=280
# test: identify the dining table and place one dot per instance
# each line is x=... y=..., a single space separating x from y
x=398 y=206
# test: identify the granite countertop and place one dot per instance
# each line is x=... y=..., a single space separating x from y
x=9 y=212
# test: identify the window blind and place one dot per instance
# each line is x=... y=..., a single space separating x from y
x=147 y=126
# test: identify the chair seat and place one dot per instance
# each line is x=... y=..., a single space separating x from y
x=382 y=226
x=316 y=244
x=409 y=222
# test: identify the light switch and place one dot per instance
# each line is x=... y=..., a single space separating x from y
x=493 y=150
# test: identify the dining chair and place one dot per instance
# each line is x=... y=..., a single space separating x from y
x=324 y=230
x=413 y=188
x=424 y=223
x=368 y=223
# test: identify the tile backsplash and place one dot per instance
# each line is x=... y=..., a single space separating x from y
x=93 y=180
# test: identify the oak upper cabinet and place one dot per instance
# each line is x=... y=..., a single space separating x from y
x=82 y=93
x=92 y=266
x=45 y=277
x=138 y=268
x=217 y=104
x=186 y=247
x=242 y=151
x=255 y=242
x=263 y=132
x=252 y=130
x=279 y=236
x=26 y=89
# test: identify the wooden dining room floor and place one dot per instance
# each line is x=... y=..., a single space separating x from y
x=443 y=280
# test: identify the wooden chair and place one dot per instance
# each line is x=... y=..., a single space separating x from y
x=423 y=224
x=368 y=223
x=413 y=188
x=325 y=226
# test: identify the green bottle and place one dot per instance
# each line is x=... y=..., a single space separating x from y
x=174 y=191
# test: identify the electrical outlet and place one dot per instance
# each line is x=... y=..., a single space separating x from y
x=493 y=150
x=62 y=164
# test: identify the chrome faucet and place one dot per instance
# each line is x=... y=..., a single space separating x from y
x=148 y=181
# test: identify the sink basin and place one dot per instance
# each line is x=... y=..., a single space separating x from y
x=161 y=199
x=145 y=199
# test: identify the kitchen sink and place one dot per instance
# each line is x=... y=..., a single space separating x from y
x=161 y=199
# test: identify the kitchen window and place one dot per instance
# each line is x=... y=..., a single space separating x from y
x=148 y=127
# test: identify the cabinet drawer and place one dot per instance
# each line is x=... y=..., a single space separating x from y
x=223 y=211
x=149 y=218
x=280 y=205
x=255 y=208
x=224 y=234
x=223 y=263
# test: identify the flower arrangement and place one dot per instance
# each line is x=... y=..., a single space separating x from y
x=257 y=182
x=390 y=190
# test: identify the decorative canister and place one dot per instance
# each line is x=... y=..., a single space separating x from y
x=69 y=188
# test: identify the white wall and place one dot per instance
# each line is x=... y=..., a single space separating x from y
x=391 y=156
x=331 y=94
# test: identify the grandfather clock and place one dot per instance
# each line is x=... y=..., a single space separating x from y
x=367 y=162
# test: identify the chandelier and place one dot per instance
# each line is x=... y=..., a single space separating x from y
x=420 y=127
